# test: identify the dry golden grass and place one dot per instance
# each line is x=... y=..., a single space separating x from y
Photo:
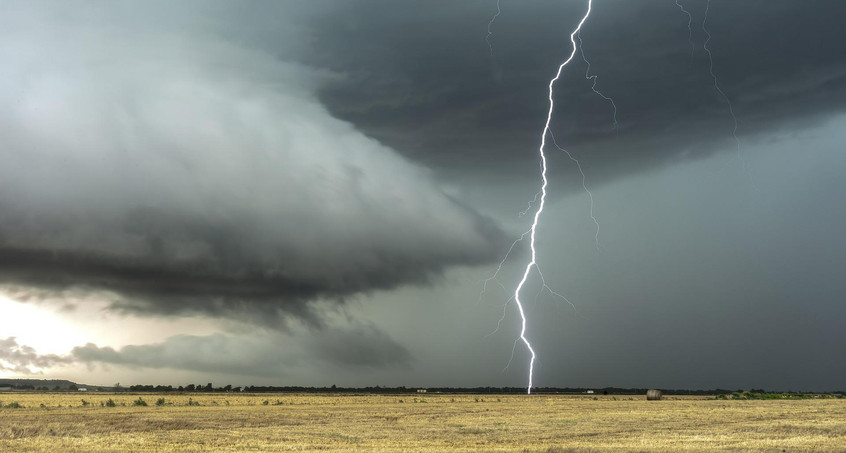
x=431 y=422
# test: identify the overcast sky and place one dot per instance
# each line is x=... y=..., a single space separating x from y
x=314 y=193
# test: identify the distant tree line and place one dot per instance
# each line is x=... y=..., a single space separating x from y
x=452 y=390
x=59 y=385
x=43 y=388
x=188 y=388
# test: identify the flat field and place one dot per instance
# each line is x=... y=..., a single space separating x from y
x=427 y=422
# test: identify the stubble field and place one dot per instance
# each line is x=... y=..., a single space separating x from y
x=430 y=422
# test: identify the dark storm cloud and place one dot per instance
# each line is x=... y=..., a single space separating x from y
x=205 y=157
x=152 y=153
x=418 y=76
x=362 y=346
x=250 y=161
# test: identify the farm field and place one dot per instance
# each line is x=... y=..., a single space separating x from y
x=425 y=422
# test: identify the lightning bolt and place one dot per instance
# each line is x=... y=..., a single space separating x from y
x=493 y=278
x=529 y=206
x=689 y=28
x=532 y=264
x=490 y=24
x=584 y=186
x=594 y=78
x=540 y=197
x=720 y=90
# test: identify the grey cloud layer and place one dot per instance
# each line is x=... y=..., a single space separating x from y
x=171 y=154
x=258 y=354
x=22 y=359
x=266 y=354
x=419 y=77
x=176 y=164
x=190 y=174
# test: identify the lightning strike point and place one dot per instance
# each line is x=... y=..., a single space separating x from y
x=532 y=264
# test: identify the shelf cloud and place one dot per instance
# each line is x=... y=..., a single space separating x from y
x=187 y=174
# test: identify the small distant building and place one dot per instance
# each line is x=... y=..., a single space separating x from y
x=82 y=389
x=5 y=389
x=421 y=390
x=590 y=392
